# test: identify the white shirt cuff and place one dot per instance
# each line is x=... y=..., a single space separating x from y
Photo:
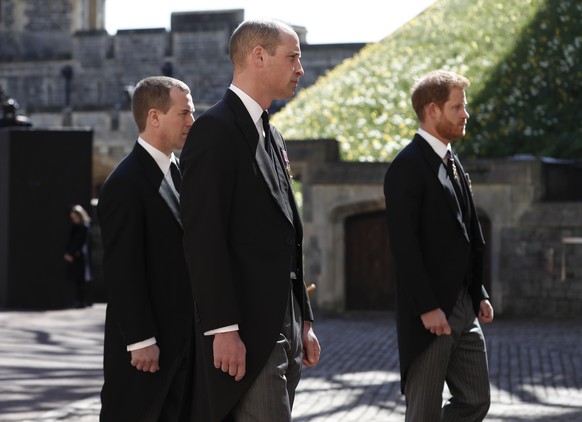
x=226 y=329
x=141 y=344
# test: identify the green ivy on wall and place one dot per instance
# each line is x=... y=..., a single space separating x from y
x=523 y=59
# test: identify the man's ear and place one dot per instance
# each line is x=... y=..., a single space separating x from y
x=432 y=110
x=258 y=54
x=154 y=117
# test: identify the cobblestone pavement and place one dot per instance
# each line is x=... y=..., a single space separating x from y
x=50 y=369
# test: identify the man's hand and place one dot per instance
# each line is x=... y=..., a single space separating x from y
x=436 y=322
x=311 y=348
x=146 y=359
x=485 y=312
x=230 y=354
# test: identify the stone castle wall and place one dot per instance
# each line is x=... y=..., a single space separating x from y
x=534 y=245
x=104 y=67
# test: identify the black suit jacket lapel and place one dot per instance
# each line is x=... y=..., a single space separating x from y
x=158 y=182
x=278 y=145
x=438 y=167
x=464 y=187
x=251 y=137
x=477 y=234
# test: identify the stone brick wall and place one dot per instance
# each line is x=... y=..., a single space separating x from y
x=105 y=67
x=48 y=16
x=535 y=245
x=541 y=262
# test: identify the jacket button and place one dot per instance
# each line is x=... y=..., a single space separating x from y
x=289 y=242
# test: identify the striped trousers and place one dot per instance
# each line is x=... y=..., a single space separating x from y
x=460 y=360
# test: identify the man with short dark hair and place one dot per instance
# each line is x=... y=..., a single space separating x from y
x=149 y=322
x=243 y=239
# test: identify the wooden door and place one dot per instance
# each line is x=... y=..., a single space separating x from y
x=370 y=283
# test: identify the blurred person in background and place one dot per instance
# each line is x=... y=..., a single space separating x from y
x=78 y=256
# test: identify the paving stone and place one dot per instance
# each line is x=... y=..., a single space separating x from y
x=50 y=368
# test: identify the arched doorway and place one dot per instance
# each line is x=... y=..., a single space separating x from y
x=370 y=283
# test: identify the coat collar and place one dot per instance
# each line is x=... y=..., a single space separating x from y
x=251 y=137
x=437 y=166
x=156 y=179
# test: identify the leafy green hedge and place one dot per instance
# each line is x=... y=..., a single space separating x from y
x=524 y=60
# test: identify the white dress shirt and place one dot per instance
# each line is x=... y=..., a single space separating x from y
x=439 y=148
x=162 y=160
x=252 y=107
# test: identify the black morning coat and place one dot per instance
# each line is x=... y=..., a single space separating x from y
x=239 y=243
x=149 y=293
x=436 y=247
